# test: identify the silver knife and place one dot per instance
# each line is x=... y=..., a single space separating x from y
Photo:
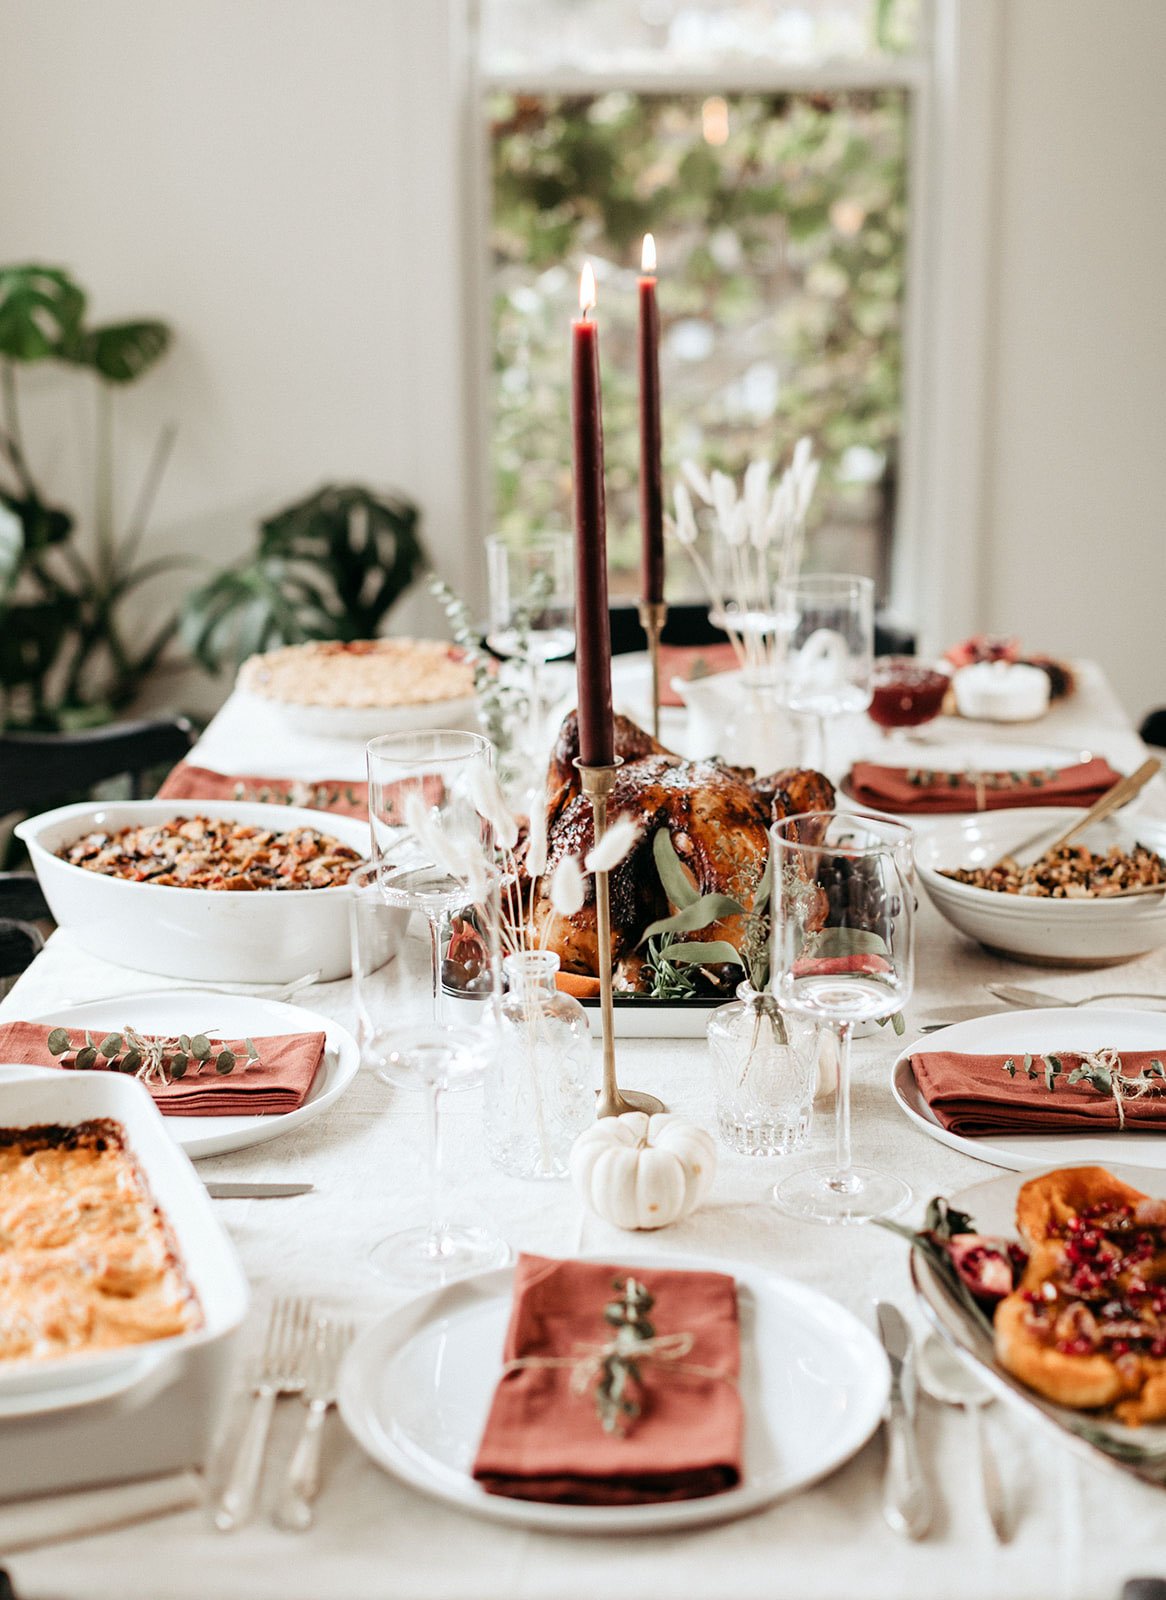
x=254 y=1191
x=906 y=1497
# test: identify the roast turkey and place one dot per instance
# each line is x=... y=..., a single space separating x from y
x=717 y=817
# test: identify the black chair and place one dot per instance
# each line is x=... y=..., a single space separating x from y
x=39 y=770
x=690 y=625
x=1153 y=729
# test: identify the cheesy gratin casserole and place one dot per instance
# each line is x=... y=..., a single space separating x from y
x=86 y=1261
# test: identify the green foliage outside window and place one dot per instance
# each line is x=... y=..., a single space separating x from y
x=782 y=254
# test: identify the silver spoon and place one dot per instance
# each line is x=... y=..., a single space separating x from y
x=1013 y=995
x=946 y=1379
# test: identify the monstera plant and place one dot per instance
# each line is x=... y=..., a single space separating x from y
x=328 y=567
x=67 y=658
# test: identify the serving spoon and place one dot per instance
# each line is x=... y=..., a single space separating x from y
x=946 y=1379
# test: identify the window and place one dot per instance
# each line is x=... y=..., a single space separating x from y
x=767 y=147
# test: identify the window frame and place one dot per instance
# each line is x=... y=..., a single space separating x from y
x=937 y=578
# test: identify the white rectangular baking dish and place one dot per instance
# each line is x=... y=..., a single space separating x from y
x=154 y=1407
x=202 y=935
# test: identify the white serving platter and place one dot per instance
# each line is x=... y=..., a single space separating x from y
x=992 y=1207
x=415 y=1390
x=1037 y=1032
x=229 y=1016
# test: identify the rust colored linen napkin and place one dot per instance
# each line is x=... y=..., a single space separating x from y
x=690 y=661
x=544 y=1442
x=975 y=1096
x=916 y=789
x=277 y=1083
x=188 y=782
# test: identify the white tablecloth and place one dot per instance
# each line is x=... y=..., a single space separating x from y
x=1081 y=1528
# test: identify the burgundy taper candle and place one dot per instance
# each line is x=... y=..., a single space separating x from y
x=592 y=620
x=651 y=466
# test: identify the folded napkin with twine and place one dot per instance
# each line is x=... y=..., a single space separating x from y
x=189 y=782
x=690 y=661
x=920 y=789
x=544 y=1439
x=275 y=1084
x=979 y=1095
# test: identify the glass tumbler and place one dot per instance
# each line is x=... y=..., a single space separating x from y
x=764 y=1074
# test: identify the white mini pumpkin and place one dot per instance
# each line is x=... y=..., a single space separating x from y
x=643 y=1172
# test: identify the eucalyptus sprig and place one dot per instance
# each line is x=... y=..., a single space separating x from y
x=150 y=1057
x=615 y=1400
x=1101 y=1069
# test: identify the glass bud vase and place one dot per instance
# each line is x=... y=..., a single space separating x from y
x=540 y=1091
x=765 y=1073
x=757 y=730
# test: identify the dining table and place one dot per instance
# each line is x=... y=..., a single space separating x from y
x=1081 y=1527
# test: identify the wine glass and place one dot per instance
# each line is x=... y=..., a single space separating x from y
x=427 y=833
x=843 y=908
x=906 y=692
x=532 y=610
x=826 y=622
x=433 y=1058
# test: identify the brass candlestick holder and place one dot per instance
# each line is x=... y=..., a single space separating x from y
x=653 y=615
x=598 y=783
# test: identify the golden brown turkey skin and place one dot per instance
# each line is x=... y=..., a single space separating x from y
x=716 y=816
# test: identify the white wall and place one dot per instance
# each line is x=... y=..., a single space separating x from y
x=278 y=179
x=274 y=178
x=1075 y=506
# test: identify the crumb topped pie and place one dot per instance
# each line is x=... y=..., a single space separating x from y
x=86 y=1259
x=360 y=673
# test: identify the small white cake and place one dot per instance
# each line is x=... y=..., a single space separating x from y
x=1002 y=691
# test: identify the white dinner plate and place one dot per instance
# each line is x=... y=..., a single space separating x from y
x=1037 y=1032
x=992 y=1208
x=415 y=1390
x=227 y=1016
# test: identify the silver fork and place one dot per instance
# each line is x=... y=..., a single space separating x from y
x=294 y=1510
x=281 y=1371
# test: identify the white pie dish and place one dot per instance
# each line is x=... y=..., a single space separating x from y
x=365 y=722
x=147 y=1408
x=1067 y=933
x=201 y=935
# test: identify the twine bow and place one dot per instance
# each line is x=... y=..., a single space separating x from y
x=1104 y=1066
x=590 y=1361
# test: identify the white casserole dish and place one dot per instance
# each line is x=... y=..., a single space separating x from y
x=153 y=1407
x=202 y=935
x=1057 y=933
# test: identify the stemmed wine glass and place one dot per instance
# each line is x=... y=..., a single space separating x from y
x=826 y=623
x=532 y=611
x=421 y=785
x=843 y=909
x=432 y=1058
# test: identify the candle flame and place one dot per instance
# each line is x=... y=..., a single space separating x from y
x=648 y=258
x=587 y=295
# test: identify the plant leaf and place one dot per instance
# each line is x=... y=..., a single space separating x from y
x=119 y=352
x=58 y=1041
x=200 y=1047
x=712 y=953
x=677 y=886
x=111 y=1045
x=700 y=914
x=846 y=942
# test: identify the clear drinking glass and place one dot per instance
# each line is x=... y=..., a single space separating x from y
x=532 y=610
x=826 y=623
x=436 y=765
x=431 y=1058
x=764 y=1074
x=842 y=953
